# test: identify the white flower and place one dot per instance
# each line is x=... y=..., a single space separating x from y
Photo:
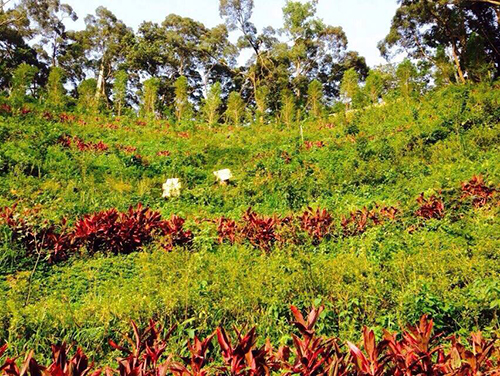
x=223 y=175
x=172 y=188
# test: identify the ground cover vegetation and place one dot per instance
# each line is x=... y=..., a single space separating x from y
x=370 y=194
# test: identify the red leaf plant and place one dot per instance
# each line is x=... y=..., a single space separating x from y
x=5 y=109
x=414 y=354
x=118 y=232
x=260 y=231
x=194 y=365
x=81 y=145
x=478 y=191
x=430 y=208
x=127 y=148
x=315 y=355
x=318 y=224
x=242 y=358
x=148 y=347
x=357 y=221
x=416 y=351
x=373 y=363
x=38 y=240
x=227 y=230
x=173 y=229
x=311 y=144
x=61 y=365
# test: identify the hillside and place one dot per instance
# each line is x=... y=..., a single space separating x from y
x=379 y=254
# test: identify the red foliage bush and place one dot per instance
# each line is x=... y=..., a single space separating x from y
x=81 y=145
x=357 y=221
x=318 y=224
x=38 y=240
x=163 y=153
x=173 y=229
x=416 y=351
x=227 y=230
x=260 y=231
x=433 y=207
x=311 y=144
x=118 y=232
x=478 y=191
x=127 y=148
x=5 y=109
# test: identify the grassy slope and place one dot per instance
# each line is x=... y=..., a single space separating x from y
x=384 y=278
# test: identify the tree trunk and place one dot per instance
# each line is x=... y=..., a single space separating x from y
x=457 y=63
x=100 y=82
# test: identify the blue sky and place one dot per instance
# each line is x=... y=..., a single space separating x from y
x=365 y=21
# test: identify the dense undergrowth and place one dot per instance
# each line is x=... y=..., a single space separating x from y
x=434 y=254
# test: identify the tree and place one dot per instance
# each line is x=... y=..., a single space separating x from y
x=212 y=104
x=237 y=15
x=406 y=74
x=87 y=102
x=14 y=50
x=235 y=108
x=120 y=91
x=181 y=46
x=288 y=108
x=261 y=102
x=374 y=85
x=349 y=87
x=47 y=22
x=56 y=94
x=22 y=82
x=315 y=98
x=419 y=27
x=107 y=41
x=150 y=97
x=182 y=105
x=315 y=46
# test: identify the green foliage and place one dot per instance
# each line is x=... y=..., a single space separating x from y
x=120 y=91
x=235 y=108
x=87 y=101
x=183 y=110
x=315 y=98
x=288 y=108
x=22 y=82
x=407 y=75
x=261 y=103
x=56 y=94
x=384 y=276
x=349 y=87
x=212 y=104
x=374 y=85
x=149 y=97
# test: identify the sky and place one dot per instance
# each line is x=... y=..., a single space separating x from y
x=365 y=22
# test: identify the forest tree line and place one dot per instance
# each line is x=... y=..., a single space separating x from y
x=181 y=69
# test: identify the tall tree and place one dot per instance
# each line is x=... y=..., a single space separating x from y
x=47 y=23
x=56 y=93
x=349 y=87
x=313 y=44
x=150 y=97
x=107 y=41
x=14 y=50
x=235 y=108
x=120 y=91
x=315 y=98
x=212 y=104
x=419 y=27
x=182 y=105
x=261 y=103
